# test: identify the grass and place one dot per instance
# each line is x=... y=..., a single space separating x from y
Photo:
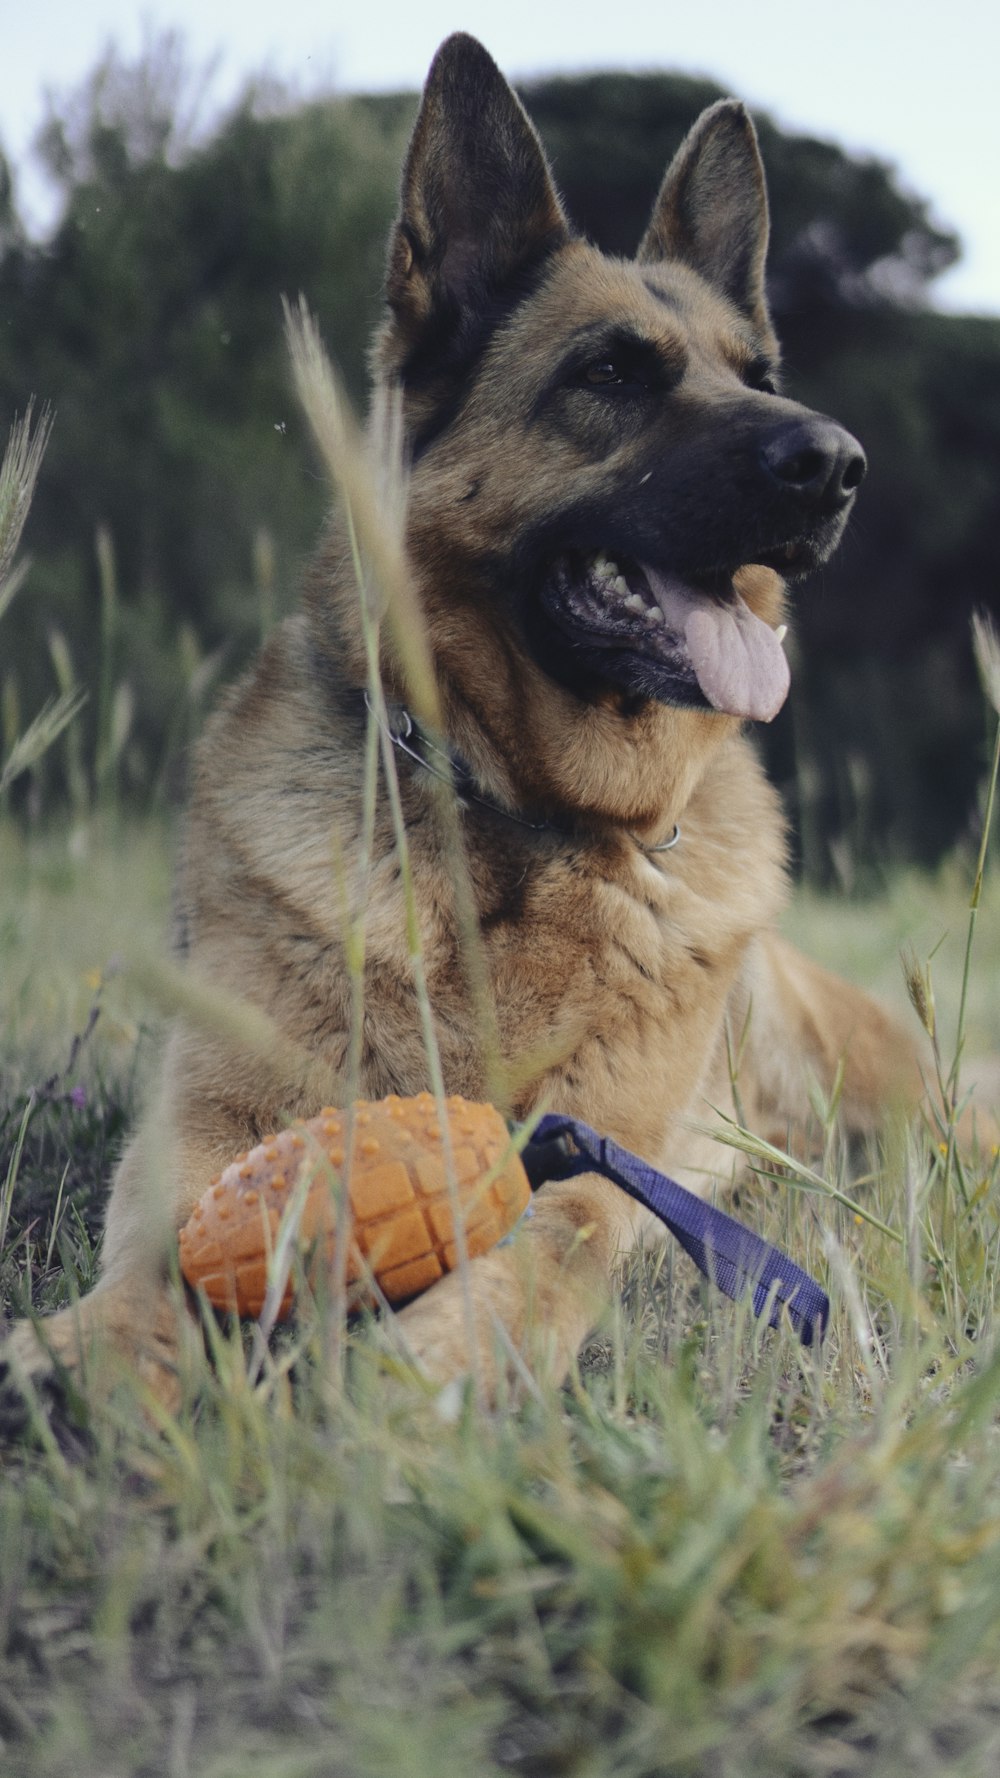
x=863 y=938
x=712 y=1554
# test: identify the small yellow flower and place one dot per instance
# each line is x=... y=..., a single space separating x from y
x=94 y=980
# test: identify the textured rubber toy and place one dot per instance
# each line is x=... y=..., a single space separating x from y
x=401 y=1208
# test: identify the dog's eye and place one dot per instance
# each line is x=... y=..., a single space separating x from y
x=624 y=367
x=602 y=373
x=757 y=375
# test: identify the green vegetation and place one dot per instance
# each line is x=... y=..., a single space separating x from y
x=711 y=1555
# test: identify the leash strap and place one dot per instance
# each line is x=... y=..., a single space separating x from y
x=729 y=1254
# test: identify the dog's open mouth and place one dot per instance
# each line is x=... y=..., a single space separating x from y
x=696 y=646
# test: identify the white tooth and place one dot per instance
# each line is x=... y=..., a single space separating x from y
x=634 y=603
x=654 y=616
x=620 y=585
x=781 y=632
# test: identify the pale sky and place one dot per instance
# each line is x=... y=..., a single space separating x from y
x=913 y=81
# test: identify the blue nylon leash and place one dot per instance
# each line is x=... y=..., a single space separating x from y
x=729 y=1254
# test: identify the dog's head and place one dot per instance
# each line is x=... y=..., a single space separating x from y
x=604 y=473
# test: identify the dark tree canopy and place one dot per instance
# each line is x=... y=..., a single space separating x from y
x=843 y=233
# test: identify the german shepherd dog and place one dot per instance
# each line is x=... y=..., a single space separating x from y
x=606 y=493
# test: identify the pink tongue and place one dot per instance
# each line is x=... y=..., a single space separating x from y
x=740 y=664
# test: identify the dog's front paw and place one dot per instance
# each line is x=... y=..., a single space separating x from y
x=486 y=1325
x=436 y=1333
x=38 y=1391
x=459 y=1329
x=61 y=1366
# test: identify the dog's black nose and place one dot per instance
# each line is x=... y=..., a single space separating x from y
x=815 y=460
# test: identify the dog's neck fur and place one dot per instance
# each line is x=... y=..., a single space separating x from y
x=538 y=748
x=533 y=747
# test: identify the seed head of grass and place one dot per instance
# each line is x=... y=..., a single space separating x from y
x=40 y=734
x=920 y=989
x=18 y=474
x=986 y=648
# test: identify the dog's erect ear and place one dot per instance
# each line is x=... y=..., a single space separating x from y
x=479 y=207
x=712 y=208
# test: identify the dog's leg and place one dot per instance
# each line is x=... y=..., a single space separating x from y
x=804 y=1021
x=534 y=1300
x=134 y=1326
x=135 y=1318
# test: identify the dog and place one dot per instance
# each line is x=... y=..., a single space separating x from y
x=606 y=496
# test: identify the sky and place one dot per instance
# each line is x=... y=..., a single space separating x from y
x=911 y=81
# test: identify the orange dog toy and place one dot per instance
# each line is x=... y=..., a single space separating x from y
x=400 y=1227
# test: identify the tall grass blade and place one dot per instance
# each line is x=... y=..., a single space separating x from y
x=107 y=576
x=13 y=584
x=365 y=484
x=986 y=645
